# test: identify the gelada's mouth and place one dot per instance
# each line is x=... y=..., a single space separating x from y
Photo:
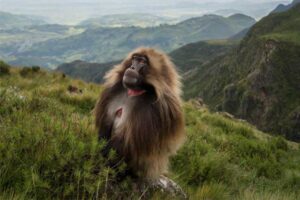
x=134 y=92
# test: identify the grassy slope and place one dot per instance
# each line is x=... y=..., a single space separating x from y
x=90 y=72
x=196 y=55
x=281 y=26
x=49 y=148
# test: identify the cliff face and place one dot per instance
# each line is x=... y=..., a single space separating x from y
x=259 y=80
x=269 y=95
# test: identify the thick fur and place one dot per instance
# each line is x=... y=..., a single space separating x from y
x=152 y=126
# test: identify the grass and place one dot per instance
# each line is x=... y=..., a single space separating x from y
x=293 y=37
x=282 y=26
x=49 y=149
x=222 y=42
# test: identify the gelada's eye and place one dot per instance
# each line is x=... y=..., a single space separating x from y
x=142 y=61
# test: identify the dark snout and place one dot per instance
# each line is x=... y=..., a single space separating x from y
x=131 y=78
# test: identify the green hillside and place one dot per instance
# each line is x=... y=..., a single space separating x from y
x=109 y=44
x=16 y=40
x=259 y=80
x=198 y=54
x=49 y=148
x=89 y=72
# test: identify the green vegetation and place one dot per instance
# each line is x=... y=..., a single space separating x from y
x=48 y=145
x=4 y=68
x=293 y=37
x=196 y=55
x=26 y=71
x=49 y=149
x=281 y=26
x=228 y=158
x=258 y=80
x=89 y=72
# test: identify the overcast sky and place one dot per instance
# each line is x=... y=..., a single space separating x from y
x=73 y=11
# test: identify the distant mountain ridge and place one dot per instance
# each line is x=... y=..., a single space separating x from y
x=123 y=20
x=107 y=44
x=188 y=57
x=8 y=20
x=282 y=8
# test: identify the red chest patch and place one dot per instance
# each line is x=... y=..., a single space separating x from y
x=119 y=112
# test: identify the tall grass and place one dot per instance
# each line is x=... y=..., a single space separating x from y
x=48 y=147
x=227 y=153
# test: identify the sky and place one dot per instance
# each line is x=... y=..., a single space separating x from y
x=74 y=11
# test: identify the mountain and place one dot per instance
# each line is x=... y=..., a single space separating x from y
x=240 y=35
x=16 y=40
x=282 y=7
x=259 y=80
x=123 y=20
x=185 y=58
x=227 y=12
x=50 y=149
x=8 y=20
x=52 y=28
x=195 y=55
x=89 y=72
x=107 y=44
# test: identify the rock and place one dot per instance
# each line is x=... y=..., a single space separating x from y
x=169 y=186
x=163 y=185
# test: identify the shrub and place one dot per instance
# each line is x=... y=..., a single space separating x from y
x=279 y=143
x=269 y=170
x=35 y=68
x=25 y=71
x=4 y=68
